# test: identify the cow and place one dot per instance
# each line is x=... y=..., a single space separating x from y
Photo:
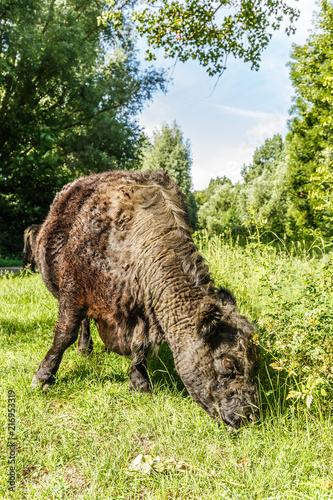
x=117 y=247
x=29 y=238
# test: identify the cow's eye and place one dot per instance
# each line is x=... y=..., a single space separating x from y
x=227 y=364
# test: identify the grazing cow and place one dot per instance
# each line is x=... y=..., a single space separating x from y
x=117 y=247
x=29 y=238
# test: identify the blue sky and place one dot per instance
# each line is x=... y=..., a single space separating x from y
x=227 y=124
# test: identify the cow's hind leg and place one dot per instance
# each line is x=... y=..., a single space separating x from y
x=139 y=380
x=65 y=334
x=85 y=345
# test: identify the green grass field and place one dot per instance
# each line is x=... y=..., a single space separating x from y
x=79 y=440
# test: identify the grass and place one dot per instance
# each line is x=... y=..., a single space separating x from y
x=79 y=440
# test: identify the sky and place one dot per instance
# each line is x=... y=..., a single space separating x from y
x=227 y=123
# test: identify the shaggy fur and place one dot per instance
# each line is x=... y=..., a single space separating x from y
x=117 y=247
x=29 y=238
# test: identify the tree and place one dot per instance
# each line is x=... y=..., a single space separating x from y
x=219 y=213
x=201 y=197
x=207 y=30
x=69 y=90
x=170 y=152
x=264 y=159
x=262 y=195
x=310 y=141
x=289 y=186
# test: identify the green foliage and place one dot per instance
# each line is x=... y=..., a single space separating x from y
x=288 y=294
x=203 y=196
x=210 y=31
x=170 y=152
x=69 y=89
x=9 y=262
x=298 y=331
x=219 y=212
x=264 y=159
x=264 y=188
x=258 y=201
x=311 y=129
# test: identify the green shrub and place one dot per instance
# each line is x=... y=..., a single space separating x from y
x=289 y=297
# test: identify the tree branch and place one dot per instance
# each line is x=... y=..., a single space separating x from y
x=48 y=17
x=200 y=27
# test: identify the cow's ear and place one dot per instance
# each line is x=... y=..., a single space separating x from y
x=208 y=317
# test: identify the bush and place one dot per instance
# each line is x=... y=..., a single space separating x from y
x=288 y=294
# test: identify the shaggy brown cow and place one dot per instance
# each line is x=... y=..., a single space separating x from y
x=29 y=239
x=117 y=247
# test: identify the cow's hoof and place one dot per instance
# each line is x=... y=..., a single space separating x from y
x=35 y=383
x=46 y=387
x=142 y=386
x=85 y=351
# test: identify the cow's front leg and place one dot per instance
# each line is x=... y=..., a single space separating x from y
x=65 y=334
x=85 y=345
x=139 y=380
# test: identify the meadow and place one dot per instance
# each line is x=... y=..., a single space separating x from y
x=89 y=437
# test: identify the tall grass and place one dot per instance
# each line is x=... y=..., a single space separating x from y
x=288 y=293
x=79 y=440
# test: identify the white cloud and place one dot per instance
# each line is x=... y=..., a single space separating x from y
x=228 y=159
x=246 y=112
x=276 y=124
x=210 y=164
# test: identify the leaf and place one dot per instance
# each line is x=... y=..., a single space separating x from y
x=146 y=468
x=309 y=399
x=276 y=366
x=199 y=30
x=136 y=463
x=294 y=394
x=146 y=464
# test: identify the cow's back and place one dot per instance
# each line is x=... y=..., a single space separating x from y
x=71 y=221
